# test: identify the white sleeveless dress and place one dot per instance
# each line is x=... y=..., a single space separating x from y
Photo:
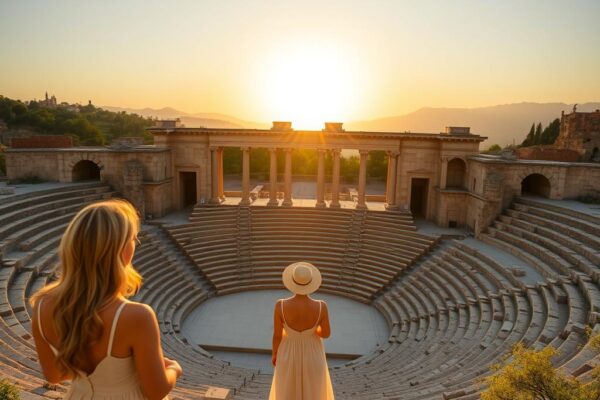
x=114 y=378
x=301 y=370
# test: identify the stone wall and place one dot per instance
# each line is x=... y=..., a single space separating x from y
x=580 y=131
x=41 y=142
x=548 y=152
x=127 y=171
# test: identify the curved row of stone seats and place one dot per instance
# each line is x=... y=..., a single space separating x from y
x=495 y=323
x=173 y=288
x=560 y=245
x=241 y=248
x=31 y=225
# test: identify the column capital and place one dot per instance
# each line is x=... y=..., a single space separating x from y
x=445 y=159
x=288 y=149
x=272 y=149
x=321 y=151
x=393 y=153
x=213 y=148
x=336 y=151
x=363 y=152
x=245 y=148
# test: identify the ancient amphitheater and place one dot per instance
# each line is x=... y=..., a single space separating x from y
x=454 y=299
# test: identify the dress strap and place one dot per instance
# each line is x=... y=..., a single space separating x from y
x=319 y=317
x=113 y=328
x=41 y=329
x=282 y=315
x=39 y=318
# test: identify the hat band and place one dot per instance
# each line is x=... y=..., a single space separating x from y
x=301 y=284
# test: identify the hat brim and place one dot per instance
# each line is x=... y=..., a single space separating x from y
x=288 y=280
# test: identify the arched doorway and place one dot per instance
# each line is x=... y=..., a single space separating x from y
x=595 y=157
x=86 y=170
x=456 y=173
x=418 y=197
x=535 y=184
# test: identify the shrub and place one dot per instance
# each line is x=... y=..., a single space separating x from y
x=8 y=391
x=529 y=375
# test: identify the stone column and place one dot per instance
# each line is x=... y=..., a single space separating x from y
x=273 y=193
x=335 y=179
x=390 y=190
x=321 y=178
x=362 y=179
x=214 y=173
x=287 y=200
x=221 y=185
x=444 y=172
x=245 y=176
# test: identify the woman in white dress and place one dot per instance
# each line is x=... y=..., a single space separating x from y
x=300 y=323
x=85 y=330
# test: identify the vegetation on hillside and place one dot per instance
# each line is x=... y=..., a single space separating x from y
x=88 y=125
x=530 y=375
x=538 y=136
x=304 y=162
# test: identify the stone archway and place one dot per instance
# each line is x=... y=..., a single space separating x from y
x=535 y=184
x=85 y=170
x=457 y=170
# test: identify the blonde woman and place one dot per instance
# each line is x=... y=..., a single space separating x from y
x=85 y=330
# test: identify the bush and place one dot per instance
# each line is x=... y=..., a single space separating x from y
x=8 y=391
x=530 y=375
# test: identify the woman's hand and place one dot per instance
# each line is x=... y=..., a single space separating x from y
x=274 y=359
x=174 y=365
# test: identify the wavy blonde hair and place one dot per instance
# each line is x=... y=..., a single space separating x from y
x=91 y=271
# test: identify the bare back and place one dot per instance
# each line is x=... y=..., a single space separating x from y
x=301 y=314
x=96 y=351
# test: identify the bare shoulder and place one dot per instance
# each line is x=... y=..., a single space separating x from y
x=137 y=314
x=323 y=304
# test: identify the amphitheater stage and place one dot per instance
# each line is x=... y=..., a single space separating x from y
x=238 y=328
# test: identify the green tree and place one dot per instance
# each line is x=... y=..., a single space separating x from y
x=8 y=391
x=538 y=134
x=551 y=132
x=530 y=136
x=530 y=375
x=377 y=164
x=495 y=148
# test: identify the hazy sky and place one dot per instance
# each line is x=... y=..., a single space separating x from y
x=301 y=60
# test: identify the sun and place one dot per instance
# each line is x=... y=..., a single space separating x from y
x=309 y=84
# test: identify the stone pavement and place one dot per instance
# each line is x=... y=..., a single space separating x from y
x=245 y=320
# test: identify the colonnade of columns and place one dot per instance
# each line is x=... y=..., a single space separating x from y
x=218 y=195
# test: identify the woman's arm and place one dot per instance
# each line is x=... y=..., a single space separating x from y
x=324 y=330
x=47 y=359
x=157 y=375
x=277 y=330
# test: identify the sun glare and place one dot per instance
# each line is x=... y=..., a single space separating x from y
x=310 y=84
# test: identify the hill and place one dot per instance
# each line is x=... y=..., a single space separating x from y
x=502 y=124
x=208 y=120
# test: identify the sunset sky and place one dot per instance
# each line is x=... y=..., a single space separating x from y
x=301 y=60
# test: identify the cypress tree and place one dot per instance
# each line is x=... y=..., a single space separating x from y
x=529 y=139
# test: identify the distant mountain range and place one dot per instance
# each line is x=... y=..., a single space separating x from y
x=502 y=124
x=208 y=120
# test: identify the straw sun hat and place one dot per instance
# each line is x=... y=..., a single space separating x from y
x=301 y=278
